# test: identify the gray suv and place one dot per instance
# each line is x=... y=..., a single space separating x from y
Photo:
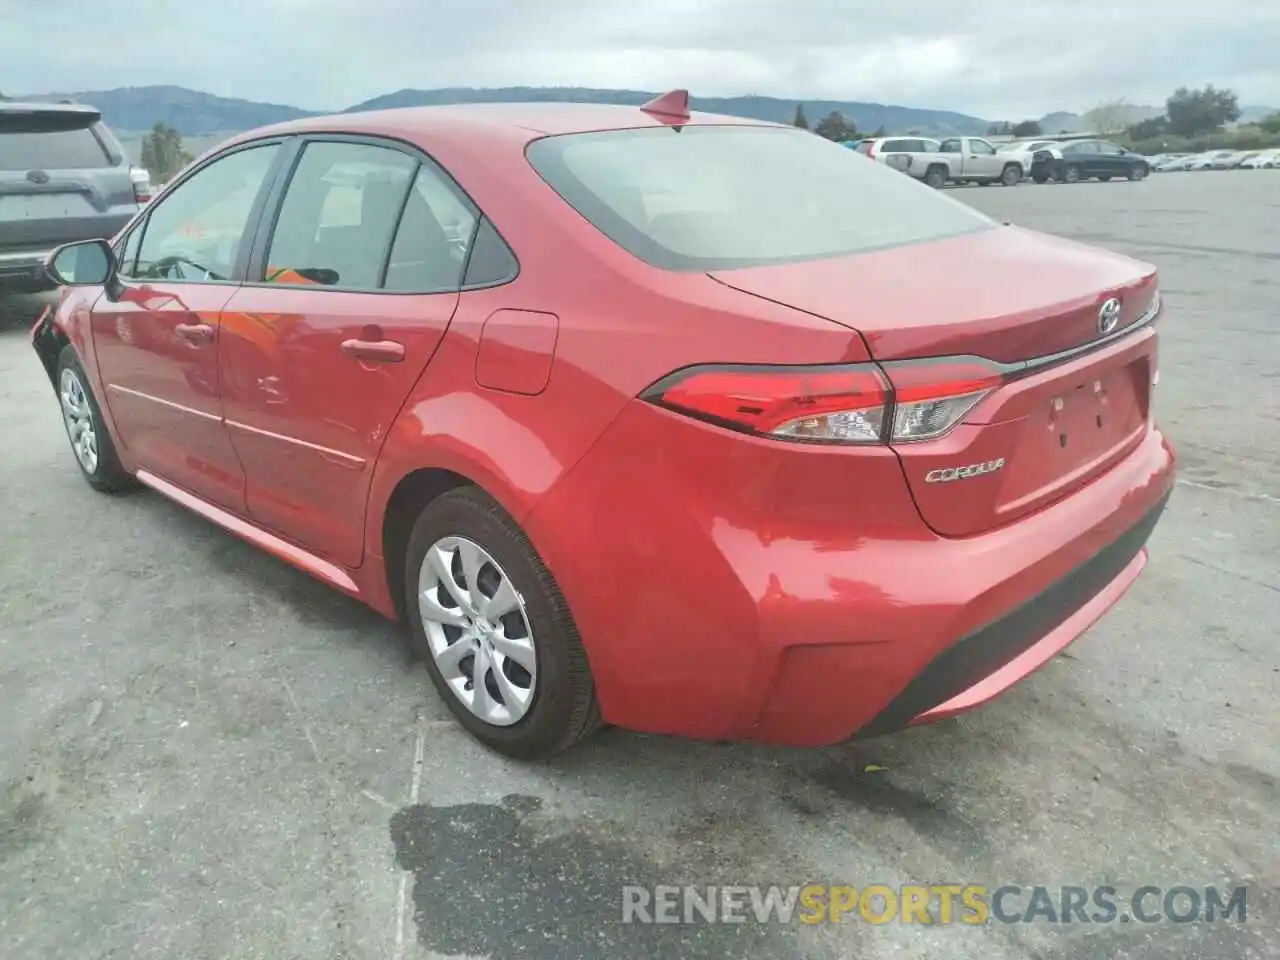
x=63 y=177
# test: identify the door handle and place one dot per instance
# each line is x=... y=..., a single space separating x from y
x=380 y=351
x=194 y=332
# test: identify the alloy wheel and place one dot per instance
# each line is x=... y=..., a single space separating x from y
x=478 y=630
x=77 y=415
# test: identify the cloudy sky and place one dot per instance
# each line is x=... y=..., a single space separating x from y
x=992 y=59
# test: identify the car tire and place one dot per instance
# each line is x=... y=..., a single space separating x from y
x=1138 y=172
x=1071 y=173
x=1011 y=176
x=1040 y=178
x=561 y=709
x=94 y=450
x=936 y=177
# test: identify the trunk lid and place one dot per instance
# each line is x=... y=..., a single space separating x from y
x=1075 y=400
x=62 y=177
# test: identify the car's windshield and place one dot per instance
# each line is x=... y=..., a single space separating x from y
x=704 y=198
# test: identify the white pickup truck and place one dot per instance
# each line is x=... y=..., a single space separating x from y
x=954 y=160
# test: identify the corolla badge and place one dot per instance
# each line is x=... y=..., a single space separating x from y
x=1109 y=316
x=947 y=474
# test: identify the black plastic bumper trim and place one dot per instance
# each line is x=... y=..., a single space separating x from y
x=986 y=650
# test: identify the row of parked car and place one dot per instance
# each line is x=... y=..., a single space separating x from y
x=977 y=160
x=1217 y=160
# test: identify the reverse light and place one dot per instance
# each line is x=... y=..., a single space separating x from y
x=848 y=403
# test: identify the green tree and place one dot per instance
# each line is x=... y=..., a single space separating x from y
x=162 y=152
x=1271 y=124
x=800 y=120
x=1002 y=129
x=837 y=127
x=1027 y=128
x=1146 y=129
x=1208 y=110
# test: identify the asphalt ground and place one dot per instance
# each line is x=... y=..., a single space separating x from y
x=205 y=754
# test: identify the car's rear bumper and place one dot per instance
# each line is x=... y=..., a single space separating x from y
x=24 y=269
x=721 y=593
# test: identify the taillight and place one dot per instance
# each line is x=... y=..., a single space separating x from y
x=848 y=403
x=141 y=185
x=932 y=396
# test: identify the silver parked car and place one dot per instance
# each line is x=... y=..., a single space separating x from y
x=63 y=177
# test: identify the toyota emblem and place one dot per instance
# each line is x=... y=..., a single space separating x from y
x=1109 y=316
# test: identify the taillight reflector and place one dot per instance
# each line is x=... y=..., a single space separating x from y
x=895 y=402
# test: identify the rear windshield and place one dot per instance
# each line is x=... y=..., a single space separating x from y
x=52 y=150
x=718 y=198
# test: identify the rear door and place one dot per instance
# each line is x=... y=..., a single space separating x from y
x=351 y=291
x=63 y=177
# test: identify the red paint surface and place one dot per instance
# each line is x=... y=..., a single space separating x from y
x=723 y=584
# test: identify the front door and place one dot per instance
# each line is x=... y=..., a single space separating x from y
x=157 y=340
x=351 y=299
x=983 y=161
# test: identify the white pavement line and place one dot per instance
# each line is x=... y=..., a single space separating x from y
x=415 y=788
x=1265 y=497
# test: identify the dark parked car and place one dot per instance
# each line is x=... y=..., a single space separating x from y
x=63 y=177
x=1087 y=159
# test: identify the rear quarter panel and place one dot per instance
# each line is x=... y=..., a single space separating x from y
x=621 y=326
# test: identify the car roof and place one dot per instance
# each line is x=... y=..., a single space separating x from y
x=526 y=121
x=49 y=109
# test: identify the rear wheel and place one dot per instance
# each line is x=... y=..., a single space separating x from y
x=936 y=177
x=1012 y=175
x=496 y=634
x=90 y=442
x=1071 y=173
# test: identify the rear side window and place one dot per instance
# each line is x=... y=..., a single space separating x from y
x=53 y=150
x=716 y=198
x=897 y=146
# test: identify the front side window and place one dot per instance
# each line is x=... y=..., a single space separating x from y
x=339 y=214
x=719 y=197
x=194 y=234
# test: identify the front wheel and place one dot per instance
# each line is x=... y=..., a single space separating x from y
x=1012 y=175
x=90 y=442
x=1138 y=172
x=497 y=636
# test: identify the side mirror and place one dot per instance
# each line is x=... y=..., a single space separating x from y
x=87 y=263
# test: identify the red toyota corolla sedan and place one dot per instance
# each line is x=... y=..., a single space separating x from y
x=683 y=423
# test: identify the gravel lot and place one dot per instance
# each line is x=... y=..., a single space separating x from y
x=207 y=755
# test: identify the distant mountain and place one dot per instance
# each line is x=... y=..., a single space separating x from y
x=1254 y=113
x=1060 y=122
x=190 y=112
x=1064 y=122
x=867 y=116
x=194 y=113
